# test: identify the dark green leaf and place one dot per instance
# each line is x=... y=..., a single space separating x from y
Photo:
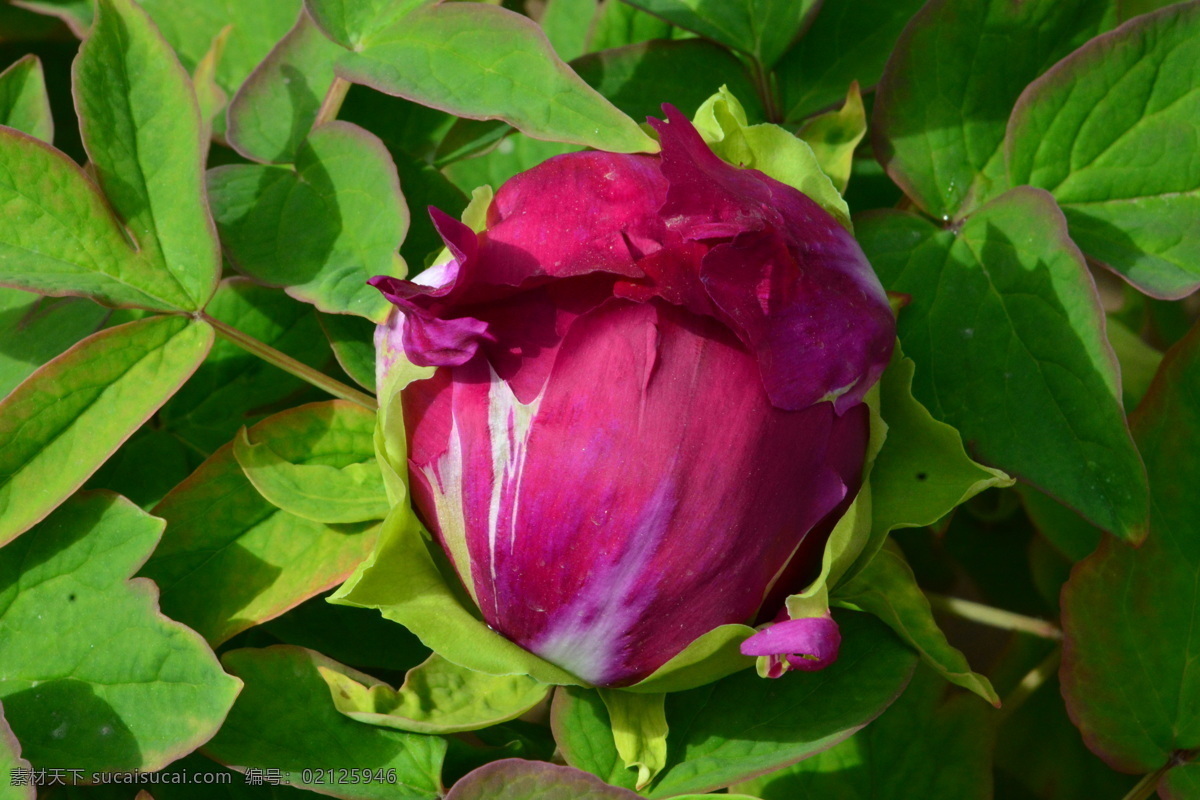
x=275 y=109
x=484 y=62
x=146 y=467
x=618 y=24
x=922 y=748
x=352 y=340
x=762 y=29
x=231 y=559
x=1038 y=748
x=322 y=230
x=67 y=418
x=141 y=127
x=1005 y=328
x=94 y=677
x=745 y=725
x=639 y=78
x=849 y=40
x=1181 y=783
x=1111 y=133
x=1128 y=615
x=285 y=720
x=35 y=329
x=24 y=104
x=355 y=636
x=951 y=82
x=233 y=388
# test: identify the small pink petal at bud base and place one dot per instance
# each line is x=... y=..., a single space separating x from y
x=807 y=644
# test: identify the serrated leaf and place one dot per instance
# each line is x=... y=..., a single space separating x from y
x=1016 y=361
x=35 y=329
x=436 y=697
x=921 y=747
x=285 y=720
x=1131 y=644
x=484 y=62
x=276 y=107
x=834 y=135
x=230 y=559
x=848 y=41
x=67 y=418
x=745 y=725
x=322 y=230
x=352 y=340
x=948 y=88
x=142 y=130
x=887 y=588
x=93 y=676
x=350 y=492
x=1111 y=132
x=14 y=766
x=233 y=388
x=24 y=104
x=762 y=29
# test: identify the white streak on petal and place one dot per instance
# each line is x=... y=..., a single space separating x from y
x=445 y=478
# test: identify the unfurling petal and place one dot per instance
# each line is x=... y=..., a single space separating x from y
x=807 y=644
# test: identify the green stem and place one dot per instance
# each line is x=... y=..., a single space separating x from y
x=995 y=617
x=766 y=91
x=291 y=365
x=332 y=103
x=1032 y=681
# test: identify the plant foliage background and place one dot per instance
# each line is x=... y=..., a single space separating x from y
x=195 y=196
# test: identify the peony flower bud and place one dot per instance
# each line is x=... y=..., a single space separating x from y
x=647 y=411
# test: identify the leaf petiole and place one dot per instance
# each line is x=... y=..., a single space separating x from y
x=291 y=365
x=995 y=617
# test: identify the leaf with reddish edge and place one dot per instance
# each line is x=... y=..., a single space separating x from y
x=1180 y=783
x=24 y=104
x=353 y=23
x=762 y=29
x=285 y=719
x=516 y=779
x=941 y=106
x=69 y=416
x=13 y=765
x=141 y=128
x=230 y=559
x=1010 y=289
x=320 y=230
x=1110 y=131
x=92 y=675
x=1130 y=643
x=272 y=114
x=484 y=62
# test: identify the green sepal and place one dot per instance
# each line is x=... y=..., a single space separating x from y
x=438 y=696
x=639 y=726
x=888 y=589
x=722 y=122
x=834 y=135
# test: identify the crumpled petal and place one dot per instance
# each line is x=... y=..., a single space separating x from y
x=806 y=644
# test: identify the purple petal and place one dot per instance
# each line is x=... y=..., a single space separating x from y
x=807 y=644
x=682 y=527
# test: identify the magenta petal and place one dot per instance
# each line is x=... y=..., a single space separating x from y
x=574 y=214
x=681 y=527
x=807 y=644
